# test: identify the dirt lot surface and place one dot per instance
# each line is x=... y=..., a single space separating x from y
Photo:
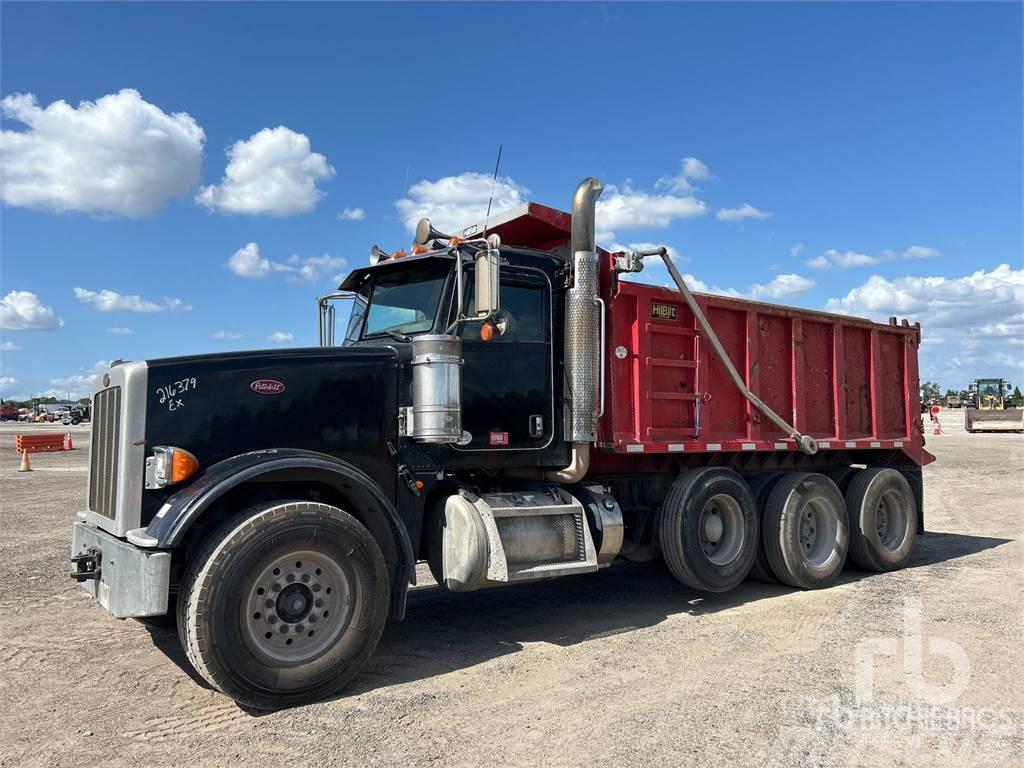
x=920 y=667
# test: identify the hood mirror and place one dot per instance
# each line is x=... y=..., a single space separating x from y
x=486 y=281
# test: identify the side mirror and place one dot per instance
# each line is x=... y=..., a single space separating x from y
x=487 y=281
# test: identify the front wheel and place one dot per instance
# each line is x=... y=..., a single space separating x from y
x=283 y=604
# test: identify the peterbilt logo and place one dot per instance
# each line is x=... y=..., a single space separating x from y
x=267 y=387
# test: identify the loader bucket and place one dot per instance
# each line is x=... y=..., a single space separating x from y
x=1008 y=420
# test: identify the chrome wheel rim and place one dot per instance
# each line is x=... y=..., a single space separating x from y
x=818 y=530
x=722 y=531
x=891 y=521
x=298 y=606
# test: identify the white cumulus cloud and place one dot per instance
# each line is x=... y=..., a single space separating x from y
x=977 y=300
x=977 y=317
x=453 y=203
x=456 y=202
x=281 y=337
x=691 y=169
x=9 y=346
x=120 y=331
x=312 y=268
x=226 y=335
x=796 y=250
x=627 y=208
x=7 y=384
x=118 y=155
x=274 y=171
x=745 y=211
x=77 y=384
x=106 y=300
x=248 y=262
x=919 y=252
x=23 y=311
x=780 y=287
x=352 y=214
x=834 y=259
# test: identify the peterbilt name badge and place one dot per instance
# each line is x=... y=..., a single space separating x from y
x=267 y=387
x=664 y=311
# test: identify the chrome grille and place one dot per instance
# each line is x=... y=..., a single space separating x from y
x=106 y=443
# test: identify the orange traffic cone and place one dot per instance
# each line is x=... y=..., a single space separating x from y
x=24 y=462
x=68 y=444
x=938 y=428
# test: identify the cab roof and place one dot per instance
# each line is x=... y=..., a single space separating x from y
x=530 y=225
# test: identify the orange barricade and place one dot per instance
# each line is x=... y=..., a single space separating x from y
x=39 y=443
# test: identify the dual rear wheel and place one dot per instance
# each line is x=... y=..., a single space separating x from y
x=793 y=527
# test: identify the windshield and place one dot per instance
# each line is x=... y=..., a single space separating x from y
x=990 y=387
x=404 y=301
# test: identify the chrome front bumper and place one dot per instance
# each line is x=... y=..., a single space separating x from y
x=126 y=580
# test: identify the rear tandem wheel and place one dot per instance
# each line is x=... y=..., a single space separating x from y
x=707 y=528
x=883 y=519
x=805 y=533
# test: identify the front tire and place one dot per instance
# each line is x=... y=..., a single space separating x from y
x=708 y=529
x=283 y=604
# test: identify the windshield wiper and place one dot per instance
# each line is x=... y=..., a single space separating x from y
x=391 y=334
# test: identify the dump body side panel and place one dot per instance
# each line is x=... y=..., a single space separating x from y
x=850 y=383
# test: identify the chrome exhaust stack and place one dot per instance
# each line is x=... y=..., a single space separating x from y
x=583 y=340
x=582 y=329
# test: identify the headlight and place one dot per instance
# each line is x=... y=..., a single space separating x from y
x=169 y=465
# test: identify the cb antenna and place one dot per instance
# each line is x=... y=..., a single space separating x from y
x=494 y=181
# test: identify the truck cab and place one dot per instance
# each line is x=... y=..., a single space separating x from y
x=504 y=405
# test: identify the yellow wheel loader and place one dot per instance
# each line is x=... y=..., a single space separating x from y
x=987 y=411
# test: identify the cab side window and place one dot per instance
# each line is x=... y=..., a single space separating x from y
x=523 y=299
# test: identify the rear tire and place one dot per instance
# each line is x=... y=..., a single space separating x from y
x=283 y=604
x=707 y=529
x=841 y=476
x=805 y=531
x=883 y=520
x=760 y=486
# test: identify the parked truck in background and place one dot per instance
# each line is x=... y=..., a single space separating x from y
x=508 y=406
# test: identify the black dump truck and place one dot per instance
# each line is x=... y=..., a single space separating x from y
x=486 y=412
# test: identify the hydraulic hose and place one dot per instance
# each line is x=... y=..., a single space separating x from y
x=806 y=443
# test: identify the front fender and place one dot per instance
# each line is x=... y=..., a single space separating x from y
x=186 y=506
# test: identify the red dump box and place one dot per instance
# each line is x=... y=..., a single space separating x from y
x=850 y=383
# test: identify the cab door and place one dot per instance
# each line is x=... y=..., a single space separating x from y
x=507 y=382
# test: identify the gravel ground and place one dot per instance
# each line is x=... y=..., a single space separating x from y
x=919 y=667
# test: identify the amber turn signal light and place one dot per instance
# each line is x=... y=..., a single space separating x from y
x=169 y=465
x=486 y=331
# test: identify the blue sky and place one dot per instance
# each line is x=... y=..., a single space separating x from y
x=865 y=158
